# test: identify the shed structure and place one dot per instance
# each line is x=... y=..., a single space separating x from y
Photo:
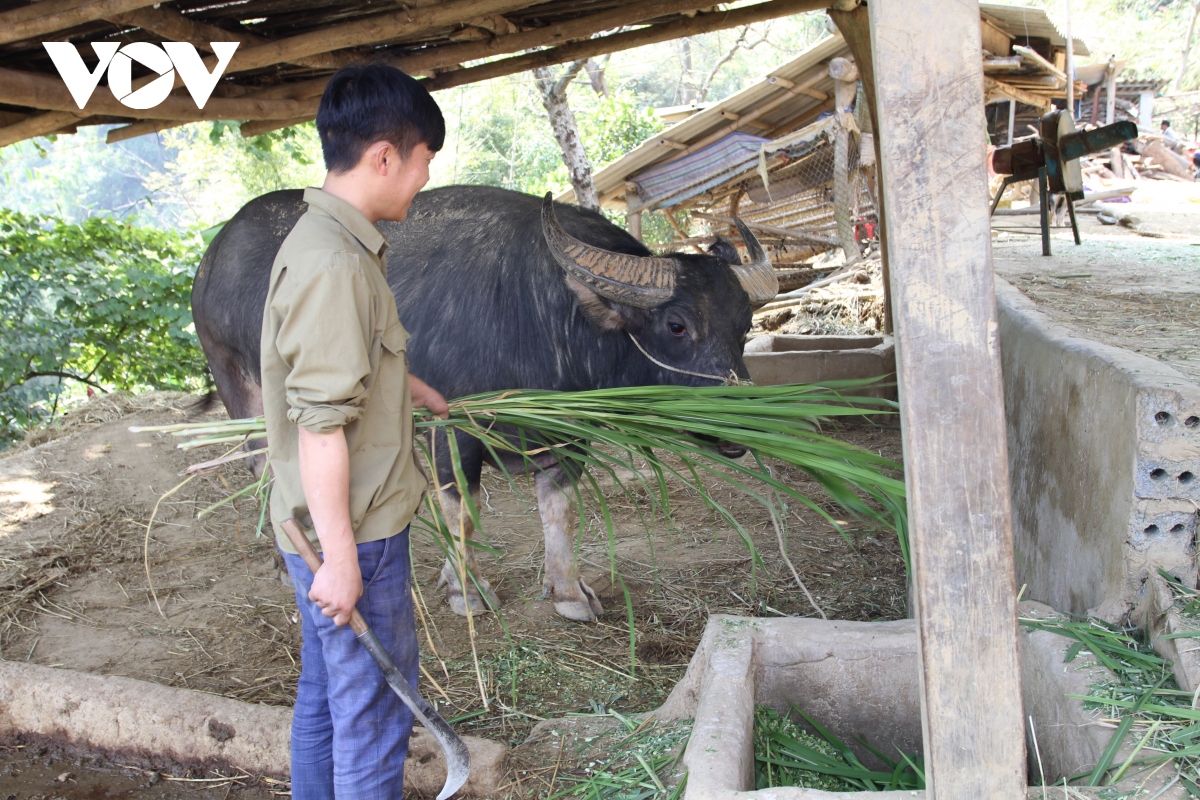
x=770 y=154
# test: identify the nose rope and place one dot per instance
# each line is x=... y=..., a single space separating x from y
x=731 y=379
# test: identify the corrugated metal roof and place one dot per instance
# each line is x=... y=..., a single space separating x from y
x=1022 y=22
x=806 y=70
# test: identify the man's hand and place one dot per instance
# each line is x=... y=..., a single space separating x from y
x=337 y=585
x=425 y=396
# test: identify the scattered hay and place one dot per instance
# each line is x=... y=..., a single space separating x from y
x=852 y=307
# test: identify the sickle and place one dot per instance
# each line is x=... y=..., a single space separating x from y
x=458 y=758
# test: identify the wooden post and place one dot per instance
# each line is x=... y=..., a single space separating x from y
x=951 y=395
x=1110 y=96
x=845 y=82
x=633 y=224
x=855 y=27
x=1012 y=120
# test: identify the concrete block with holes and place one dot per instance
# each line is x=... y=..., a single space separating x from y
x=1104 y=456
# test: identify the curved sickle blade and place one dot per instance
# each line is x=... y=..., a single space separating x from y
x=458 y=758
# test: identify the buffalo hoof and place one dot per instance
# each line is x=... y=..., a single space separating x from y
x=580 y=605
x=478 y=603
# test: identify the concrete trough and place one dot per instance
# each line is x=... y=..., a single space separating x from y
x=862 y=679
x=774 y=360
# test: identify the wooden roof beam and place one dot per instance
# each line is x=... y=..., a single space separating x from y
x=559 y=33
x=677 y=29
x=450 y=55
x=685 y=26
x=373 y=29
x=44 y=92
x=39 y=125
x=175 y=27
x=49 y=16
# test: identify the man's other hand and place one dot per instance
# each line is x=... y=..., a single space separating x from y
x=337 y=585
x=425 y=396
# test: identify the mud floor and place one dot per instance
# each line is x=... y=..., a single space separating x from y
x=1136 y=289
x=43 y=770
x=74 y=591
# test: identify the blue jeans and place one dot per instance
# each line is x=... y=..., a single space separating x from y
x=349 y=730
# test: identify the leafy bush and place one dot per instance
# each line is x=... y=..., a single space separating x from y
x=100 y=304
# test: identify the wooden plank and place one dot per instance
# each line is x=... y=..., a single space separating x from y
x=995 y=41
x=48 y=16
x=951 y=395
x=999 y=89
x=1031 y=57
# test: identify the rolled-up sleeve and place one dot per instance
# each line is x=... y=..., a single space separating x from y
x=325 y=328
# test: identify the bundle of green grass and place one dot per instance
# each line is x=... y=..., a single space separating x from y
x=644 y=436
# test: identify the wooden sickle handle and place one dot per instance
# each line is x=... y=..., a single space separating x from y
x=313 y=560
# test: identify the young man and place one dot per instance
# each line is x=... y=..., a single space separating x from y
x=338 y=401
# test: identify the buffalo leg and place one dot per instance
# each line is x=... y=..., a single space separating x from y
x=572 y=598
x=478 y=596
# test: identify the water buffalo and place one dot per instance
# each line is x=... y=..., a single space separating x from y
x=498 y=294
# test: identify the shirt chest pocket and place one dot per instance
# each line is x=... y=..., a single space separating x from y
x=393 y=368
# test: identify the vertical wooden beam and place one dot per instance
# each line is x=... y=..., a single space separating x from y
x=856 y=30
x=951 y=394
x=633 y=223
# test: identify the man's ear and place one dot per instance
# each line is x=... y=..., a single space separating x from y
x=605 y=314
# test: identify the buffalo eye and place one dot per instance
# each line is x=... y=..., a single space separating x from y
x=676 y=329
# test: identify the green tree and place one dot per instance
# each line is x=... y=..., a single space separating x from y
x=98 y=303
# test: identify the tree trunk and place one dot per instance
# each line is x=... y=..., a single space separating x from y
x=1187 y=46
x=687 y=90
x=566 y=131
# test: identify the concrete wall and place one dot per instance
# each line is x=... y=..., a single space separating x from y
x=1104 y=454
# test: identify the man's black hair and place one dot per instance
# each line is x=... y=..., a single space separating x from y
x=1166 y=122
x=367 y=103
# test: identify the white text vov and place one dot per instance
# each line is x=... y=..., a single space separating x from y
x=118 y=60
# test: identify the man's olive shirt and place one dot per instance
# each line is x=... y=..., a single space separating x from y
x=333 y=355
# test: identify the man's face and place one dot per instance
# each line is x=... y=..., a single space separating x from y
x=405 y=177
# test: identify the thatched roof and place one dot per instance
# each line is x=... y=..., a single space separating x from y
x=288 y=48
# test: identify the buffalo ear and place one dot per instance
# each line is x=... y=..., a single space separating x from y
x=725 y=250
x=605 y=314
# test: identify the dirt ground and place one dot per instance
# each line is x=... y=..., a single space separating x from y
x=74 y=590
x=1133 y=288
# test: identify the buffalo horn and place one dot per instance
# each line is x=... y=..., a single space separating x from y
x=758 y=277
x=640 y=281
